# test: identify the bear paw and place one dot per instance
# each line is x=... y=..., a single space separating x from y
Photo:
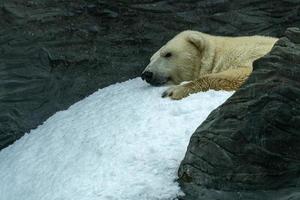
x=176 y=92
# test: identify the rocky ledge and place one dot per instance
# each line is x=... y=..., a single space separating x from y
x=249 y=148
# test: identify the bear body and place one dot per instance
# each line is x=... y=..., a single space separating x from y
x=207 y=61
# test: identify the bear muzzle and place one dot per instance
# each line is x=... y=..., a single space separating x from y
x=147 y=76
x=150 y=78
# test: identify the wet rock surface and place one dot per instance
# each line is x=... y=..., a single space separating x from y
x=248 y=148
x=54 y=53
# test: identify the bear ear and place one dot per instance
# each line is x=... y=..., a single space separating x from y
x=197 y=40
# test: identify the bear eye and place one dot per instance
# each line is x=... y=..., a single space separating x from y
x=167 y=55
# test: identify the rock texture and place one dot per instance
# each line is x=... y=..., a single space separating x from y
x=249 y=148
x=55 y=52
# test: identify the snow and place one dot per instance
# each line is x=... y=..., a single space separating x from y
x=123 y=142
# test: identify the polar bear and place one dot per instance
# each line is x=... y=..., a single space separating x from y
x=207 y=61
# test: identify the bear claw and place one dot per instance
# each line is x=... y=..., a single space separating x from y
x=166 y=94
x=176 y=92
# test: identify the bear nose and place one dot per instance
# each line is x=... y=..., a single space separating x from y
x=147 y=76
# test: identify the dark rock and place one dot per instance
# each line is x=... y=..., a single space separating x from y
x=56 y=52
x=248 y=148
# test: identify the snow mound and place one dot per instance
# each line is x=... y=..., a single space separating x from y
x=123 y=142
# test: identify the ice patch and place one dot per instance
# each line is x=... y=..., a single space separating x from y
x=123 y=142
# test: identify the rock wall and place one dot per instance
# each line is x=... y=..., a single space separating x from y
x=55 y=52
x=248 y=148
